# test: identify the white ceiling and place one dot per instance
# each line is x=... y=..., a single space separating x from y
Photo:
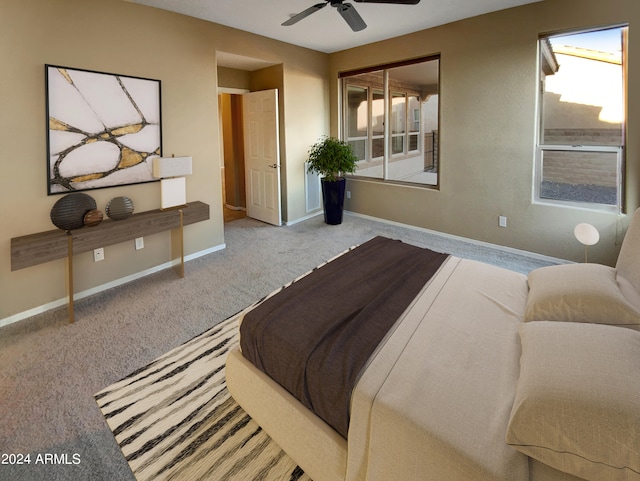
x=325 y=30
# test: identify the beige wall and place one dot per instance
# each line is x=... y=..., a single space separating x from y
x=119 y=37
x=306 y=103
x=488 y=102
x=487 y=126
x=234 y=78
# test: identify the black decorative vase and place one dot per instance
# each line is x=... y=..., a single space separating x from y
x=333 y=200
x=68 y=212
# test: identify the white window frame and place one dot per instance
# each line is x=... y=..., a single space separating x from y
x=539 y=175
x=541 y=147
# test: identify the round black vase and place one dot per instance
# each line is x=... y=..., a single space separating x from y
x=333 y=200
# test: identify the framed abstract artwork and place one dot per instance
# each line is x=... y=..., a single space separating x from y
x=103 y=129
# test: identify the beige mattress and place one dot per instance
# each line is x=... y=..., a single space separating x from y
x=434 y=402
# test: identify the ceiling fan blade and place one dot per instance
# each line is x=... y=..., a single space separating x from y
x=397 y=2
x=351 y=16
x=304 y=14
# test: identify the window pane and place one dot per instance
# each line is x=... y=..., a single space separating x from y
x=430 y=120
x=430 y=150
x=397 y=144
x=357 y=120
x=377 y=112
x=580 y=176
x=398 y=122
x=359 y=148
x=377 y=124
x=411 y=106
x=414 y=94
x=377 y=147
x=583 y=99
x=414 y=113
x=413 y=142
x=398 y=113
x=357 y=111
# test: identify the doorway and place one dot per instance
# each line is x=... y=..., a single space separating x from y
x=249 y=189
x=249 y=149
x=232 y=153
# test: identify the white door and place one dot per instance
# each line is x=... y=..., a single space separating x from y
x=262 y=155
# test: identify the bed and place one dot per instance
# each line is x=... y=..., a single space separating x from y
x=486 y=374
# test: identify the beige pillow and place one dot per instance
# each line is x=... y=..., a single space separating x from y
x=577 y=402
x=579 y=293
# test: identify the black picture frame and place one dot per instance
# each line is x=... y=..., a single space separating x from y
x=103 y=129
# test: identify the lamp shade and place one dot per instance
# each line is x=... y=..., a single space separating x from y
x=173 y=193
x=164 y=167
x=586 y=234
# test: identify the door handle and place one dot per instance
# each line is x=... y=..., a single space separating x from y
x=273 y=166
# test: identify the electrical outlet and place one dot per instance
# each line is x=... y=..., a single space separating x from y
x=139 y=243
x=348 y=194
x=502 y=221
x=98 y=254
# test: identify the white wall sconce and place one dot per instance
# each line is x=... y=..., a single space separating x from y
x=173 y=186
x=586 y=235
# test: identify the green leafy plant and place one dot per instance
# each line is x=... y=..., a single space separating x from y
x=329 y=157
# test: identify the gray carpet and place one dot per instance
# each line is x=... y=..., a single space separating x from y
x=50 y=370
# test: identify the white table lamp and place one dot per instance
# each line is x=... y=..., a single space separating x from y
x=586 y=235
x=173 y=186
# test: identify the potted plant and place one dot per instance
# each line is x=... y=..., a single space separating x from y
x=330 y=158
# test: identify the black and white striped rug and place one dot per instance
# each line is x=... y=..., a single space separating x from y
x=175 y=420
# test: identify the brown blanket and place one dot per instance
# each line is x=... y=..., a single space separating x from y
x=315 y=336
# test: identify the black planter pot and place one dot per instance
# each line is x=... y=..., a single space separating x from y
x=333 y=200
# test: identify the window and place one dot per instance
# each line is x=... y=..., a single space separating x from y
x=580 y=149
x=357 y=114
x=404 y=96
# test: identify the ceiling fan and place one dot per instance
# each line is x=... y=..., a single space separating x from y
x=347 y=11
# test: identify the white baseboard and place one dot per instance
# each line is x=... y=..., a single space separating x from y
x=512 y=250
x=109 y=285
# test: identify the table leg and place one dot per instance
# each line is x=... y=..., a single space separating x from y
x=177 y=244
x=70 y=274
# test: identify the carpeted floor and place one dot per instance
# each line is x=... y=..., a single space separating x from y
x=50 y=370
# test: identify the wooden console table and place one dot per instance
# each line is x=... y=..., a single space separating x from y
x=34 y=249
